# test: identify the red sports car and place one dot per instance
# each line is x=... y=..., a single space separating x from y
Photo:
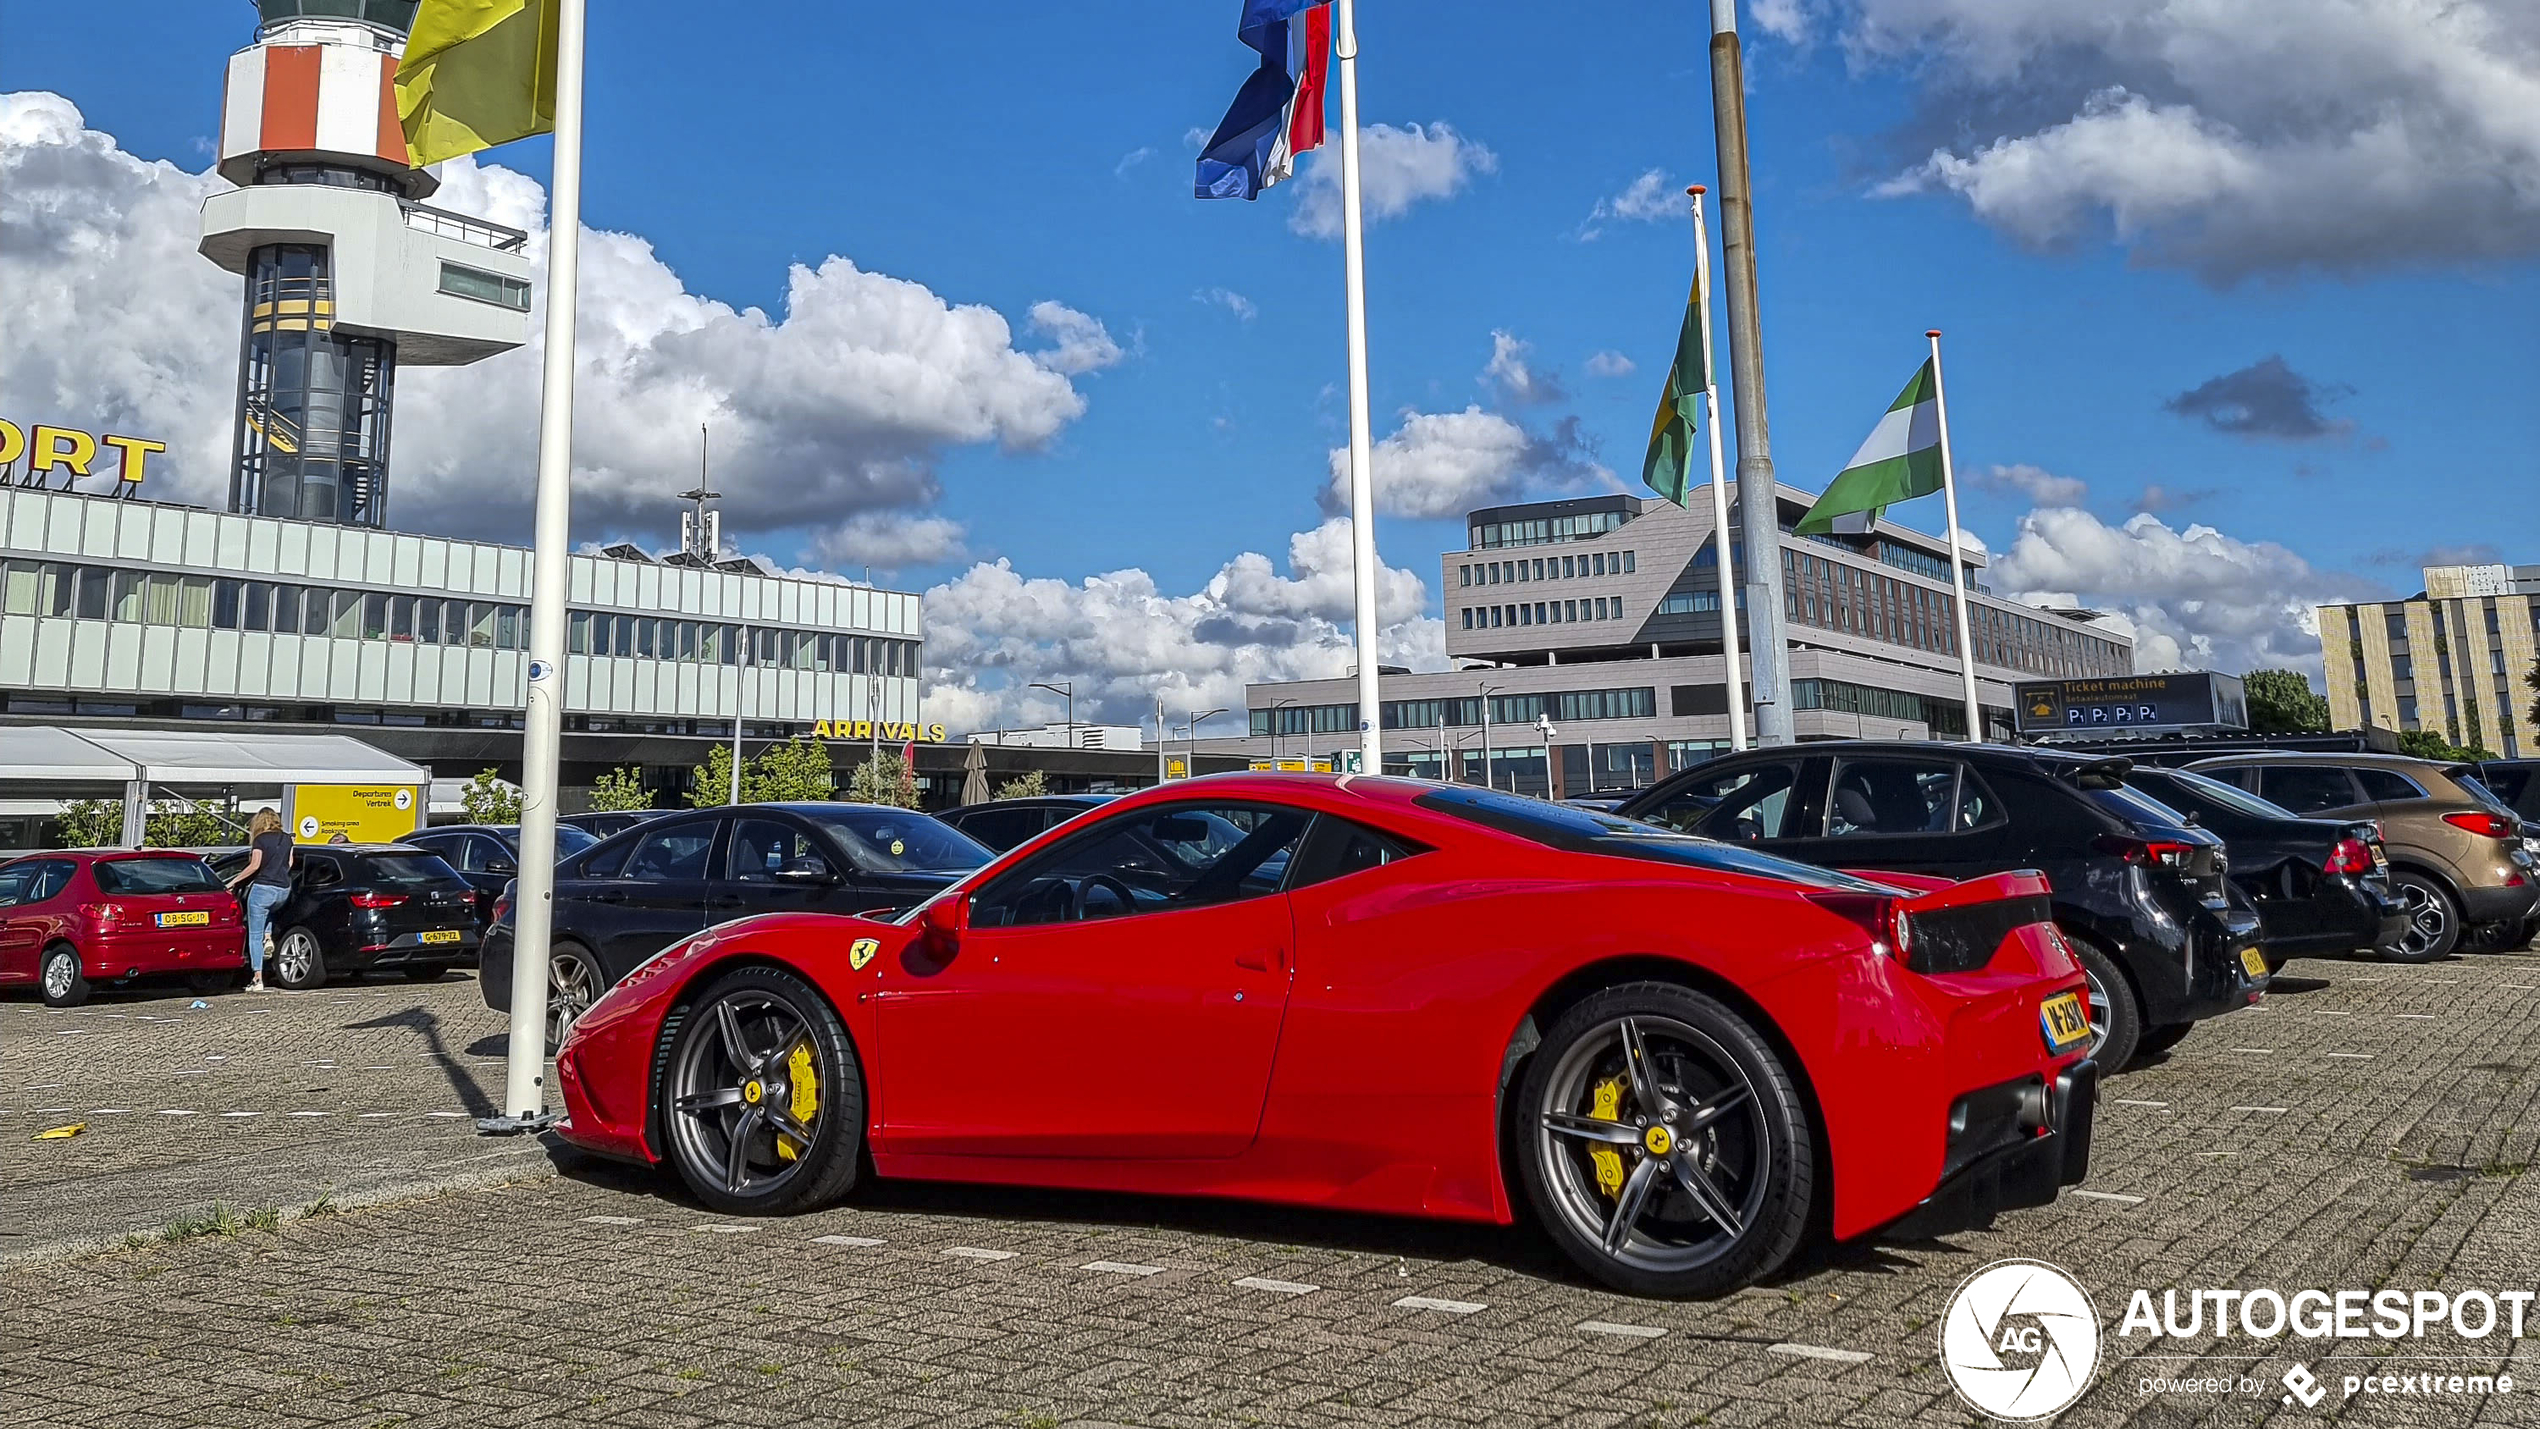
x=1384 y=995
x=80 y=916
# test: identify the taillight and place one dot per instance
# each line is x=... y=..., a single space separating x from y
x=502 y=907
x=2351 y=856
x=103 y=912
x=2494 y=826
x=2145 y=851
x=1890 y=928
x=378 y=900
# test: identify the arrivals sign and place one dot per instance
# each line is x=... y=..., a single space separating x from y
x=72 y=453
x=863 y=729
x=2197 y=699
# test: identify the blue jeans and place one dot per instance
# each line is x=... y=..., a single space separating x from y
x=262 y=899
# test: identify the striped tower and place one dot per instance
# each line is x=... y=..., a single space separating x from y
x=348 y=272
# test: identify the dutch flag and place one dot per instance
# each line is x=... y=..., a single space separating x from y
x=1278 y=114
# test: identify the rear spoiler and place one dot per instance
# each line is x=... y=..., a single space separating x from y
x=2106 y=773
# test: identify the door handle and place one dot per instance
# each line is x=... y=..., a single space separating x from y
x=728 y=900
x=608 y=897
x=1263 y=961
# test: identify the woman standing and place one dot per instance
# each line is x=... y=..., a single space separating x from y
x=268 y=880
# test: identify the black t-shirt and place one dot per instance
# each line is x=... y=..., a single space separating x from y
x=276 y=869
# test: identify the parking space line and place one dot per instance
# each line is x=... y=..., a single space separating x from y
x=2415 y=1016
x=170 y=1111
x=2354 y=1056
x=1629 y=1332
x=313 y=1113
x=848 y=1240
x=612 y=1220
x=972 y=1252
x=2129 y=1101
x=110 y=1111
x=2270 y=1110
x=2519 y=986
x=1819 y=1352
x=1444 y=1307
x=2118 y=1196
x=724 y=1228
x=1277 y=1287
x=1119 y=1267
x=2324 y=1012
x=2261 y=1051
x=242 y=1113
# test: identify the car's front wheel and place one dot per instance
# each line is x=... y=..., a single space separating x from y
x=60 y=977
x=1663 y=1144
x=2434 y=924
x=763 y=1098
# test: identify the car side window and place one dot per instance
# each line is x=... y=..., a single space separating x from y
x=1153 y=861
x=1894 y=796
x=1750 y=802
x=320 y=871
x=459 y=851
x=2307 y=788
x=1002 y=829
x=14 y=883
x=767 y=851
x=1337 y=848
x=675 y=852
x=2386 y=786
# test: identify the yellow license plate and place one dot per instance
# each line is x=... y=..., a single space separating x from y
x=2253 y=962
x=2066 y=1025
x=196 y=919
x=438 y=935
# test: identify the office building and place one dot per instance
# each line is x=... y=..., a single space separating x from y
x=2450 y=658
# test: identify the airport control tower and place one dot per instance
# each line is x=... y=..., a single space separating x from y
x=349 y=273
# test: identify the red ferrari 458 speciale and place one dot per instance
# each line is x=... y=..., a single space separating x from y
x=1380 y=994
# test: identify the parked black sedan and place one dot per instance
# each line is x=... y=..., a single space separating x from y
x=2141 y=896
x=628 y=897
x=357 y=906
x=1003 y=824
x=487 y=855
x=602 y=823
x=2321 y=887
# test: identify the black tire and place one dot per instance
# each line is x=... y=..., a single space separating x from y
x=2116 y=1017
x=58 y=977
x=721 y=1111
x=2156 y=1040
x=1745 y=1146
x=298 y=963
x=2434 y=920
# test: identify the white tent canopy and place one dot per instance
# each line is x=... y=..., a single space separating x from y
x=137 y=759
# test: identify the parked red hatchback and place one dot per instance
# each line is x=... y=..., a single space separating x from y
x=84 y=916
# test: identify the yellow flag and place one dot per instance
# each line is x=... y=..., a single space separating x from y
x=477 y=73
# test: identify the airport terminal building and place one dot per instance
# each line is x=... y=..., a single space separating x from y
x=1601 y=615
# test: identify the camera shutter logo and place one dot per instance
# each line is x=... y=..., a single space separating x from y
x=2020 y=1340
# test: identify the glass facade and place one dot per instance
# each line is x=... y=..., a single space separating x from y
x=313 y=404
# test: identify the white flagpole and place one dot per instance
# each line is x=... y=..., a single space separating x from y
x=1957 y=562
x=1362 y=495
x=1719 y=478
x=533 y=900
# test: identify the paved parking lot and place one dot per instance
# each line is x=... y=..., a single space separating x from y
x=2369 y=1127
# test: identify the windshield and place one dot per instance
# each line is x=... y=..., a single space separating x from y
x=1579 y=830
x=2471 y=786
x=570 y=838
x=155 y=875
x=900 y=841
x=2193 y=787
x=420 y=869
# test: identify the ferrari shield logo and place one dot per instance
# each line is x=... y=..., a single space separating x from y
x=862 y=951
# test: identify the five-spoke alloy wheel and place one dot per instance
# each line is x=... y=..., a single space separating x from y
x=763 y=1098
x=573 y=984
x=297 y=962
x=2433 y=930
x=1663 y=1144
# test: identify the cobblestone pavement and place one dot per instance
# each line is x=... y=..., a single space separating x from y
x=2368 y=1127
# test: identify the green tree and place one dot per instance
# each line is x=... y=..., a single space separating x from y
x=795 y=770
x=621 y=789
x=888 y=780
x=2430 y=744
x=90 y=823
x=710 y=783
x=191 y=823
x=488 y=800
x=2531 y=678
x=1030 y=786
x=2281 y=702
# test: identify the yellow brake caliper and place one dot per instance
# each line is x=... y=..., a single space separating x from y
x=802 y=1080
x=1609 y=1162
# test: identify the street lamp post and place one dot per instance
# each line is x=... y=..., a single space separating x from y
x=1196 y=717
x=1276 y=745
x=1066 y=688
x=1487 y=692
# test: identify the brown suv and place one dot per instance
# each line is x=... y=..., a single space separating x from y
x=2457 y=860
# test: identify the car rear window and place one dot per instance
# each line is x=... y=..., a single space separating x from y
x=891 y=841
x=418 y=868
x=155 y=875
x=2136 y=807
x=1576 y=830
x=2229 y=796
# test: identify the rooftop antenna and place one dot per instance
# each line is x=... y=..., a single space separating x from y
x=701 y=531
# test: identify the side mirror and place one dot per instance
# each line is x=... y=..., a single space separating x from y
x=945 y=920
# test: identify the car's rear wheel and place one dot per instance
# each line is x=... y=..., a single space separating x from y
x=298 y=964
x=2434 y=924
x=60 y=977
x=2116 y=1019
x=1663 y=1145
x=574 y=982
x=763 y=1098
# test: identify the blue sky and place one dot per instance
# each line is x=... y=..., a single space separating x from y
x=994 y=156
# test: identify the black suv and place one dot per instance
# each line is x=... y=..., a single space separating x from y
x=1003 y=824
x=632 y=895
x=356 y=906
x=487 y=855
x=2142 y=896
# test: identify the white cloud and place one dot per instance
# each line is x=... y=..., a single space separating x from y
x=1227 y=298
x=1782 y=19
x=1510 y=375
x=2036 y=483
x=1081 y=344
x=2198 y=599
x=1123 y=642
x=839 y=405
x=1610 y=363
x=2258 y=137
x=1396 y=169
x=1438 y=465
x=1645 y=200
x=889 y=540
x=1131 y=160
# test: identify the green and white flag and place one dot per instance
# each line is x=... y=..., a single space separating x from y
x=1671 y=431
x=1900 y=461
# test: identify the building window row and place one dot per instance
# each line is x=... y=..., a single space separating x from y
x=1696 y=602
x=1543 y=612
x=1465 y=711
x=1834 y=595
x=1584 y=526
x=1944 y=717
x=1306 y=719
x=644 y=637
x=1548 y=568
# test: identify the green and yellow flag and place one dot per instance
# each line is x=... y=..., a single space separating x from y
x=477 y=73
x=1671 y=431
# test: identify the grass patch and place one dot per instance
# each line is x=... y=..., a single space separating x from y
x=220 y=1220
